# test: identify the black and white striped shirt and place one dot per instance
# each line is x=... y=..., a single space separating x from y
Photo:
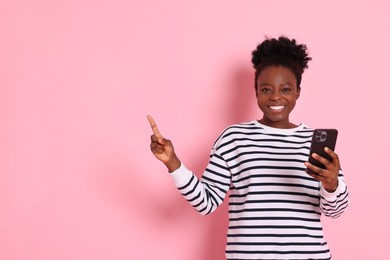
x=274 y=205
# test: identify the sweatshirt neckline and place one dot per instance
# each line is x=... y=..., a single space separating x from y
x=279 y=130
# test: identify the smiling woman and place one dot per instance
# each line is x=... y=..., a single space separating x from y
x=275 y=206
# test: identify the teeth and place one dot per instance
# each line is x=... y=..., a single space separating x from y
x=276 y=107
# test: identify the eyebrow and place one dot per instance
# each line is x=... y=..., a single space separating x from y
x=268 y=84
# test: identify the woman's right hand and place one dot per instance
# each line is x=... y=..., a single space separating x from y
x=162 y=148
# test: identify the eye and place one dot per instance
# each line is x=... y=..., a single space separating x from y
x=286 y=90
x=266 y=90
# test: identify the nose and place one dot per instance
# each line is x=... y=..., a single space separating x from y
x=275 y=96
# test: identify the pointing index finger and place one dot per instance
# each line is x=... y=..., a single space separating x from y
x=154 y=126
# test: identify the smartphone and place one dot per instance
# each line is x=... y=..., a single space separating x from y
x=322 y=138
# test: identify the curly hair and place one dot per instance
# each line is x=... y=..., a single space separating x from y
x=281 y=52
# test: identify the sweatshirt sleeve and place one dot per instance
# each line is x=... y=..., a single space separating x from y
x=207 y=193
x=333 y=204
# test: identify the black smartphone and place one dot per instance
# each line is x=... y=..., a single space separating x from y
x=322 y=138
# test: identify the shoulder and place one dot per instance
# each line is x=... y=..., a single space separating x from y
x=244 y=127
x=305 y=129
x=240 y=129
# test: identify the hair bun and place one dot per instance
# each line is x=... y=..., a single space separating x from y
x=281 y=48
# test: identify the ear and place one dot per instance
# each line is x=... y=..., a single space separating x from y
x=298 y=93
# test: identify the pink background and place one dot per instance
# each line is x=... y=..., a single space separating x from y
x=78 y=77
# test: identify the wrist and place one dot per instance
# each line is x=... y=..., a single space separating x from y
x=173 y=164
x=333 y=187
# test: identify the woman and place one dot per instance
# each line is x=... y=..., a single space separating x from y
x=274 y=204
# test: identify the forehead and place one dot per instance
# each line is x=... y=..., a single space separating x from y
x=276 y=75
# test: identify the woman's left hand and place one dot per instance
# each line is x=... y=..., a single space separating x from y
x=328 y=176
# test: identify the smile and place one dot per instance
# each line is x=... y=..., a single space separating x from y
x=277 y=108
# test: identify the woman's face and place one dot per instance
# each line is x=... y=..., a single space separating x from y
x=277 y=93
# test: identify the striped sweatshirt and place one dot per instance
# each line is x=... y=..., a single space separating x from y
x=274 y=205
